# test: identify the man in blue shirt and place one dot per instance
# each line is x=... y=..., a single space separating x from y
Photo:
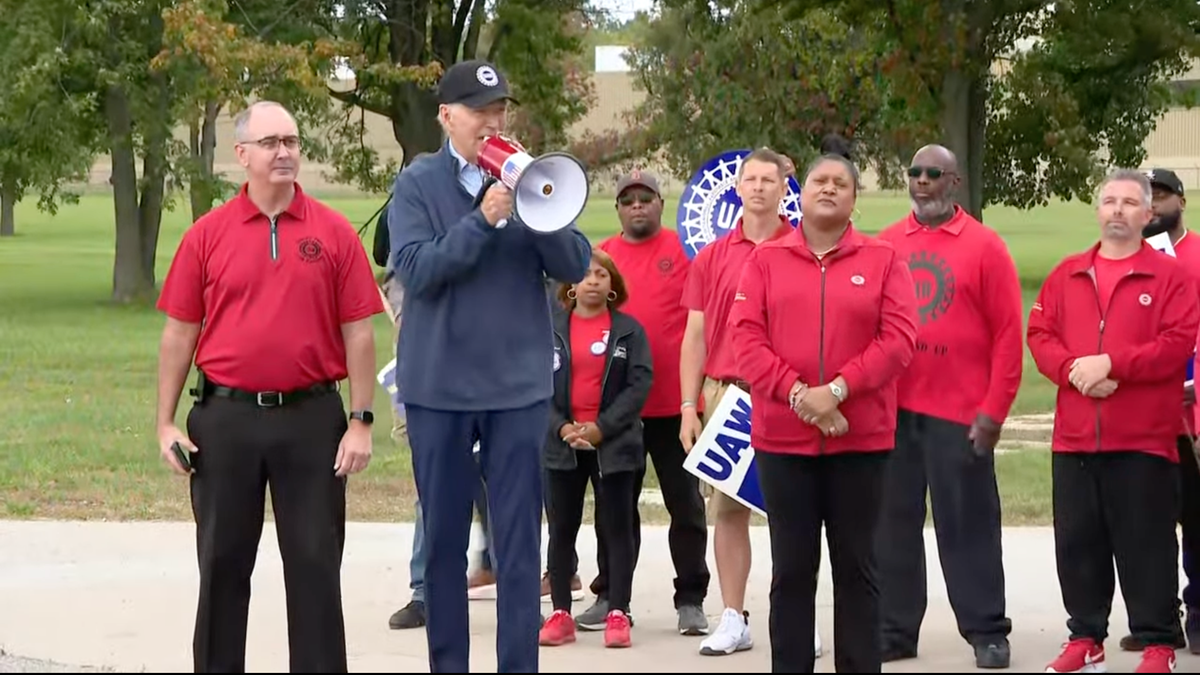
x=475 y=357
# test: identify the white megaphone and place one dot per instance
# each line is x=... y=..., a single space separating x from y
x=549 y=192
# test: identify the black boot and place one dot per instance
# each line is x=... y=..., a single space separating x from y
x=411 y=615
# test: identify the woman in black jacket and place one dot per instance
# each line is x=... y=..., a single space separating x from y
x=602 y=375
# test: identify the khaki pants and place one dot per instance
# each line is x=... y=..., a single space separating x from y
x=722 y=503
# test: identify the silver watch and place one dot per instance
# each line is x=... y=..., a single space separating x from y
x=837 y=391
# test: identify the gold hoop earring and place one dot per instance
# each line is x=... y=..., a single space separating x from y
x=571 y=293
x=612 y=296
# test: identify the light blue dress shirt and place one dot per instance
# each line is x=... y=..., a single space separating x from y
x=470 y=176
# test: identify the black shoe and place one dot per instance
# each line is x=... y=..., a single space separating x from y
x=993 y=655
x=411 y=616
x=891 y=654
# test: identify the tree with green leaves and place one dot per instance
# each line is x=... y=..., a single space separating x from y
x=46 y=139
x=720 y=77
x=405 y=45
x=1036 y=98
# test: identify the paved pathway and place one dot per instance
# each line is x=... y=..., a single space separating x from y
x=123 y=596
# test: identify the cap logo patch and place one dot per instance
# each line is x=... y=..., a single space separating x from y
x=487 y=76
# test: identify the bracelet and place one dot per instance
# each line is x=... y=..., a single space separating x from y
x=686 y=405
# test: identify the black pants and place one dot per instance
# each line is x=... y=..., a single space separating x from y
x=243 y=449
x=688 y=532
x=565 y=491
x=842 y=492
x=1189 y=520
x=1122 y=506
x=936 y=455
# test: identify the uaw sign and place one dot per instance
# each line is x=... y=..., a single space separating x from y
x=723 y=457
x=710 y=206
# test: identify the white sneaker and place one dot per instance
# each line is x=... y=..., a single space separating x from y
x=732 y=635
x=817 y=643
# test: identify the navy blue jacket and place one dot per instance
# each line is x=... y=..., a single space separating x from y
x=476 y=333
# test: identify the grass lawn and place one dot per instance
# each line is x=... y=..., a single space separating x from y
x=79 y=374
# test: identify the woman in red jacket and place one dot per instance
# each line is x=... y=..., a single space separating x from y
x=824 y=322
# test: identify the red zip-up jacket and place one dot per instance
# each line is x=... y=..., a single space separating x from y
x=1148 y=330
x=852 y=313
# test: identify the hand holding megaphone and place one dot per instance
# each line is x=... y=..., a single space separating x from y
x=497 y=203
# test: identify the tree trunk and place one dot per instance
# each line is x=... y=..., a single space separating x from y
x=202 y=137
x=964 y=125
x=414 y=121
x=8 y=203
x=130 y=282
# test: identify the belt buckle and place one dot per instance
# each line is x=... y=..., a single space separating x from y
x=269 y=399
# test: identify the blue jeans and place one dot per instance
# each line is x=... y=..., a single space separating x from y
x=416 y=564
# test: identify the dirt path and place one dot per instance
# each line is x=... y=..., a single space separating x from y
x=1024 y=432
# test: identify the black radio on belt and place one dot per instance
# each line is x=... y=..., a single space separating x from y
x=198 y=392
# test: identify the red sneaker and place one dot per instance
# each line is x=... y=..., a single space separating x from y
x=1079 y=656
x=559 y=629
x=1157 y=659
x=616 y=629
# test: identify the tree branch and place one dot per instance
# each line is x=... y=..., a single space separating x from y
x=478 y=16
x=354 y=98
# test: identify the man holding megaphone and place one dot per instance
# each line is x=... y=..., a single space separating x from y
x=475 y=356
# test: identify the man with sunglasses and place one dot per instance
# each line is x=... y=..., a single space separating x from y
x=953 y=399
x=655 y=267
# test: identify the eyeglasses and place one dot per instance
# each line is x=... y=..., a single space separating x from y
x=933 y=172
x=272 y=142
x=628 y=199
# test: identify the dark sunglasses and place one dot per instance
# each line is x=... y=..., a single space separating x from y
x=933 y=172
x=628 y=199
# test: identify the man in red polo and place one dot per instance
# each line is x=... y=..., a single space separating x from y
x=273 y=296
x=708 y=367
x=655 y=268
x=953 y=400
x=1113 y=327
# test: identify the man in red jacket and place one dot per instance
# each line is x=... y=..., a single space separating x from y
x=1114 y=327
x=969 y=303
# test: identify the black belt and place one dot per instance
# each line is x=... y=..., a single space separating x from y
x=269 y=399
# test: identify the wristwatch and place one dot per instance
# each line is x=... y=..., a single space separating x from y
x=365 y=416
x=837 y=392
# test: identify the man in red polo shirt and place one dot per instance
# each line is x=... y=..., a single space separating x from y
x=708 y=367
x=655 y=268
x=1168 y=205
x=1113 y=327
x=273 y=296
x=969 y=302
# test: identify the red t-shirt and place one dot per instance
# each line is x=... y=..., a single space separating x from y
x=589 y=349
x=970 y=319
x=272 y=306
x=655 y=272
x=1108 y=271
x=712 y=283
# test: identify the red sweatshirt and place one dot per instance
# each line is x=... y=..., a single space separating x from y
x=969 y=304
x=1187 y=250
x=655 y=272
x=797 y=317
x=1148 y=330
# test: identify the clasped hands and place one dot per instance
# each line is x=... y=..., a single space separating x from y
x=1089 y=374
x=581 y=435
x=819 y=407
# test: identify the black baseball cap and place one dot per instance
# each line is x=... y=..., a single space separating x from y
x=1166 y=179
x=474 y=83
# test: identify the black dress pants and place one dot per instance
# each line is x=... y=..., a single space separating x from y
x=843 y=493
x=935 y=455
x=565 y=492
x=243 y=450
x=1118 y=506
x=687 y=535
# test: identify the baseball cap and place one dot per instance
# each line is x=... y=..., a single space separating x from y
x=1165 y=178
x=474 y=83
x=638 y=178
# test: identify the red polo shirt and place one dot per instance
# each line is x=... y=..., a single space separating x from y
x=712 y=283
x=655 y=272
x=272 y=299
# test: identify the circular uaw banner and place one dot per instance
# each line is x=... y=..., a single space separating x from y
x=710 y=206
